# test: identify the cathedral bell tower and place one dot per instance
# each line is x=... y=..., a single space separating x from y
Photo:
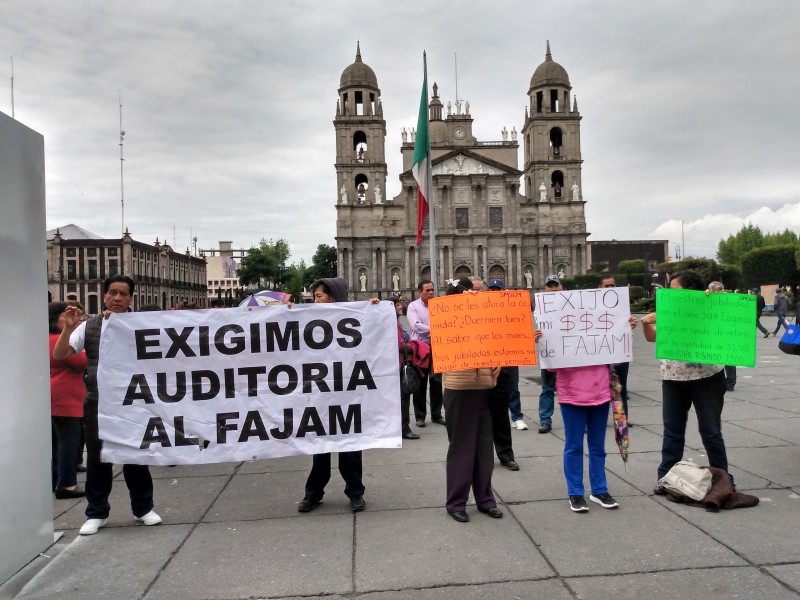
x=360 y=169
x=552 y=173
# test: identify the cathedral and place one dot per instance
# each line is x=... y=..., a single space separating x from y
x=484 y=225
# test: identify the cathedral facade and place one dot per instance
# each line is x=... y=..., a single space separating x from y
x=484 y=225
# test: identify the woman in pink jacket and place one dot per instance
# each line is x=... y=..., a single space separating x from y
x=584 y=396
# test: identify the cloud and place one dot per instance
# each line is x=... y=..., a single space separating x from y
x=702 y=235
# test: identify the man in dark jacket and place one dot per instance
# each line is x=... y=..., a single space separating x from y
x=760 y=304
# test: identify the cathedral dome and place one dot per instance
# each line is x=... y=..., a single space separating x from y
x=549 y=73
x=358 y=74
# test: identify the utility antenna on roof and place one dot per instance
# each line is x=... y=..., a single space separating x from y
x=459 y=100
x=121 y=163
x=12 y=87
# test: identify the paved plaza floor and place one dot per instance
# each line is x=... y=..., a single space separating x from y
x=232 y=531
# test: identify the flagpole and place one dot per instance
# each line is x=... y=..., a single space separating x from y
x=431 y=228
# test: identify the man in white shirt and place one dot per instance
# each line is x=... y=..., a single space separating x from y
x=78 y=335
x=420 y=323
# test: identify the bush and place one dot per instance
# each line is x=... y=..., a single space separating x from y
x=636 y=292
x=644 y=305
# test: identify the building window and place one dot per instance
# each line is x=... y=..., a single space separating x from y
x=462 y=218
x=93 y=269
x=94 y=305
x=113 y=267
x=496 y=217
x=72 y=270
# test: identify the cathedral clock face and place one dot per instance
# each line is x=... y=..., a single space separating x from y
x=460 y=133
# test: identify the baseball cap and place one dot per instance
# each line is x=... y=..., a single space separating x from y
x=551 y=279
x=496 y=283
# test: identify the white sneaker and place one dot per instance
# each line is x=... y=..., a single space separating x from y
x=520 y=424
x=91 y=526
x=150 y=518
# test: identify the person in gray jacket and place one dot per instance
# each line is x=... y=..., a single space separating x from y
x=781 y=306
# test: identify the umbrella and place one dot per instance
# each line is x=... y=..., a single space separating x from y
x=266 y=298
x=620 y=418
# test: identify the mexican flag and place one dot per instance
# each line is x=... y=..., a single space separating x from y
x=421 y=165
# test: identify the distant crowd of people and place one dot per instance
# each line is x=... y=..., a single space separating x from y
x=478 y=407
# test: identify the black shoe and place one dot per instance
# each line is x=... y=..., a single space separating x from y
x=511 y=465
x=81 y=468
x=546 y=428
x=63 y=494
x=420 y=422
x=578 y=504
x=439 y=421
x=459 y=516
x=728 y=388
x=308 y=504
x=410 y=436
x=357 y=503
x=766 y=335
x=493 y=512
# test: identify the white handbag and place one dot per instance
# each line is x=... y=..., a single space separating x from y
x=687 y=479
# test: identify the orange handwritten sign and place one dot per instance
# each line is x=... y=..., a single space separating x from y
x=487 y=329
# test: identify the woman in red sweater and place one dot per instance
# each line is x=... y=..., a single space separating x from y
x=67 y=393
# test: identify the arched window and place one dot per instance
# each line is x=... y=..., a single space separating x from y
x=462 y=271
x=362 y=185
x=360 y=145
x=557 y=183
x=497 y=272
x=556 y=139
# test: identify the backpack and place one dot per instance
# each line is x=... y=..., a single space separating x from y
x=685 y=478
x=790 y=340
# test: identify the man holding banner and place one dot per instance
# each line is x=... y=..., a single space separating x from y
x=78 y=335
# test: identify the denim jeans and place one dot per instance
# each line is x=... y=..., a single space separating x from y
x=591 y=420
x=547 y=397
x=781 y=321
x=707 y=396
x=514 y=402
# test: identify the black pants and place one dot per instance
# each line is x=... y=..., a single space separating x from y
x=100 y=475
x=420 y=409
x=349 y=468
x=66 y=435
x=498 y=406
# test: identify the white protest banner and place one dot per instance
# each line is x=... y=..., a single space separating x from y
x=227 y=385
x=583 y=327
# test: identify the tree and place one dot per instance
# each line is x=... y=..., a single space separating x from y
x=637 y=266
x=294 y=281
x=265 y=265
x=773 y=264
x=730 y=251
x=599 y=267
x=323 y=264
x=707 y=268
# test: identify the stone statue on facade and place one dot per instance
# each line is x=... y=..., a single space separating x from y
x=404 y=134
x=528 y=279
x=378 y=194
x=561 y=274
x=413 y=135
x=513 y=134
x=542 y=192
x=395 y=282
x=343 y=193
x=505 y=134
x=449 y=108
x=466 y=107
x=363 y=279
x=576 y=192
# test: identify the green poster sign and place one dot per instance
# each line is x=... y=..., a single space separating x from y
x=715 y=328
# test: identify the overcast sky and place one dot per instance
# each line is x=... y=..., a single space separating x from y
x=690 y=109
